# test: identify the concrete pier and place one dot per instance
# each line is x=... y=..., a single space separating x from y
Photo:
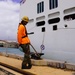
x=40 y=67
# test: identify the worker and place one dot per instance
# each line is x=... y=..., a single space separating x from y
x=24 y=42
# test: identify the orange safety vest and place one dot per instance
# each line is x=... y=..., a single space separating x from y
x=22 y=35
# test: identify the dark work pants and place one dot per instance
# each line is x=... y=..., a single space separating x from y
x=26 y=50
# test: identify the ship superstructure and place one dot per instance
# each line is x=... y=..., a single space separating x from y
x=53 y=25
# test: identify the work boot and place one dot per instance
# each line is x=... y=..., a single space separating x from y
x=26 y=66
x=29 y=66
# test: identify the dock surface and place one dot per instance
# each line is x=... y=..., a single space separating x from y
x=37 y=70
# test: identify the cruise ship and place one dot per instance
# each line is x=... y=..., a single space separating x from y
x=53 y=25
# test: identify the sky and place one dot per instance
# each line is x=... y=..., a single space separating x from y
x=9 y=19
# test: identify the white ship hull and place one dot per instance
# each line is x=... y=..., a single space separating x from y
x=57 y=34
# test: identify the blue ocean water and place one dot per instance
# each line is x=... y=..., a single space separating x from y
x=15 y=51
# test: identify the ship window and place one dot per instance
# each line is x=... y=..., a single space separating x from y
x=54 y=20
x=53 y=4
x=41 y=23
x=55 y=14
x=55 y=27
x=31 y=20
x=22 y=1
x=40 y=18
x=43 y=29
x=69 y=17
x=40 y=7
x=69 y=10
